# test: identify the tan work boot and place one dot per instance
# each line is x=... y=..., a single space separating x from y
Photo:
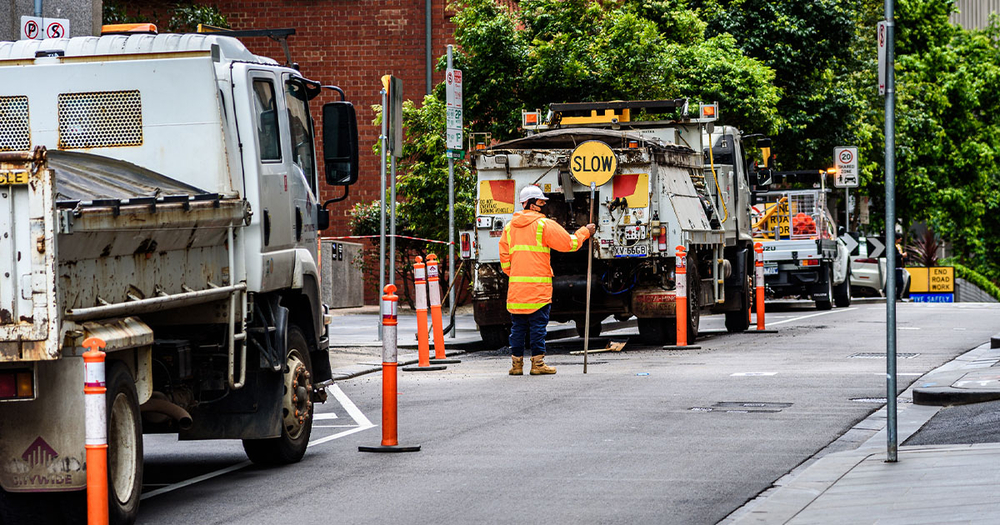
x=518 y=368
x=538 y=366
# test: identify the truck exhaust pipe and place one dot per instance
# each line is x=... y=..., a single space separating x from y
x=166 y=409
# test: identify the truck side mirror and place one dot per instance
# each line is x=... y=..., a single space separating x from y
x=764 y=178
x=340 y=143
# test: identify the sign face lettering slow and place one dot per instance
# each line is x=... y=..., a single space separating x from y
x=593 y=162
x=846 y=159
x=38 y=28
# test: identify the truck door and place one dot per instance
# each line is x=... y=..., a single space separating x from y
x=301 y=163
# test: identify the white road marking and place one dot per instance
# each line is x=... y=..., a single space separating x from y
x=325 y=416
x=198 y=479
x=810 y=315
x=352 y=410
x=752 y=374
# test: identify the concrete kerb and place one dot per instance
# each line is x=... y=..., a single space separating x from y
x=797 y=489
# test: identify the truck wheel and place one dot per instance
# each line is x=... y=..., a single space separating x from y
x=495 y=336
x=124 y=445
x=297 y=409
x=595 y=327
x=842 y=293
x=739 y=320
x=828 y=303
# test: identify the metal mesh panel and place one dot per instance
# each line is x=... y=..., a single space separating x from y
x=14 y=132
x=100 y=120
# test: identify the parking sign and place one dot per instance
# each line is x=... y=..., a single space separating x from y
x=38 y=28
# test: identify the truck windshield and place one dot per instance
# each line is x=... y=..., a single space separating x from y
x=301 y=126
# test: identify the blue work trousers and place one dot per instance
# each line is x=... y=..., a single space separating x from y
x=529 y=331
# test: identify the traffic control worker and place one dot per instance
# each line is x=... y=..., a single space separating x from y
x=525 y=245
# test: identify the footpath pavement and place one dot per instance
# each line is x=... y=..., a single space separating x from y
x=928 y=484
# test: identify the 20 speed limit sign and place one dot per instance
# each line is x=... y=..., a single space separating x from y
x=846 y=160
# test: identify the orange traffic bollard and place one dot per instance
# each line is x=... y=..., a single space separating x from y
x=680 y=278
x=390 y=442
x=96 y=431
x=420 y=298
x=434 y=293
x=758 y=249
x=758 y=256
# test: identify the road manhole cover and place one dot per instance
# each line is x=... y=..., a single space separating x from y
x=877 y=355
x=879 y=400
x=743 y=407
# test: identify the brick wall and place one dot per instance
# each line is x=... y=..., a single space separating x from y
x=348 y=43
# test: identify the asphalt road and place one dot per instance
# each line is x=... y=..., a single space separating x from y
x=647 y=435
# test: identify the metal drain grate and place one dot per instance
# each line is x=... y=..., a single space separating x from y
x=876 y=355
x=743 y=407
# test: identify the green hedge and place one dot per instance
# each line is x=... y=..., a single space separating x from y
x=977 y=279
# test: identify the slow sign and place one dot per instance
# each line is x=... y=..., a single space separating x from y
x=593 y=162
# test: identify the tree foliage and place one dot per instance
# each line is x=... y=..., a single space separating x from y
x=589 y=50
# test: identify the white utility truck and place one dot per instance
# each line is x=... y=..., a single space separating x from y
x=670 y=188
x=158 y=192
x=803 y=254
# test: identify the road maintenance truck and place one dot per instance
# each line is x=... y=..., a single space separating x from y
x=678 y=181
x=804 y=255
x=158 y=192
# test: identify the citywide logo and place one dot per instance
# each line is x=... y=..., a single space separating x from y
x=39 y=453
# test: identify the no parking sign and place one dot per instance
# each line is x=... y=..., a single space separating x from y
x=38 y=28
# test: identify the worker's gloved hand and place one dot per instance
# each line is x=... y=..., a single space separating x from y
x=591 y=228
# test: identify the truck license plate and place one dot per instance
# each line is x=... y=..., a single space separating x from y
x=639 y=250
x=13 y=178
x=770 y=269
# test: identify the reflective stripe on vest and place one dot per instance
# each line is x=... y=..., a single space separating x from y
x=574 y=243
x=525 y=306
x=523 y=279
x=538 y=247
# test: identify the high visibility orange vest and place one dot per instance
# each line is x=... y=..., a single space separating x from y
x=524 y=256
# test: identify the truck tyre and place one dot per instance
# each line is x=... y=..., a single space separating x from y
x=595 y=327
x=124 y=445
x=739 y=320
x=828 y=278
x=842 y=292
x=297 y=409
x=495 y=336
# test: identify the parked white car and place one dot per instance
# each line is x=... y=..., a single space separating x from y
x=868 y=274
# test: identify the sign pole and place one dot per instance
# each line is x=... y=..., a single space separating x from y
x=451 y=229
x=890 y=234
x=381 y=213
x=590 y=265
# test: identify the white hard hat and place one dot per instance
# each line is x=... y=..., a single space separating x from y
x=532 y=192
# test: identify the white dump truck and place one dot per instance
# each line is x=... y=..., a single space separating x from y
x=158 y=192
x=679 y=181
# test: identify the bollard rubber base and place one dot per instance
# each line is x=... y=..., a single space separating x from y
x=389 y=448
x=445 y=361
x=765 y=331
x=423 y=368
x=685 y=347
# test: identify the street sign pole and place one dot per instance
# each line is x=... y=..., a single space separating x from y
x=453 y=142
x=451 y=229
x=890 y=234
x=383 y=139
